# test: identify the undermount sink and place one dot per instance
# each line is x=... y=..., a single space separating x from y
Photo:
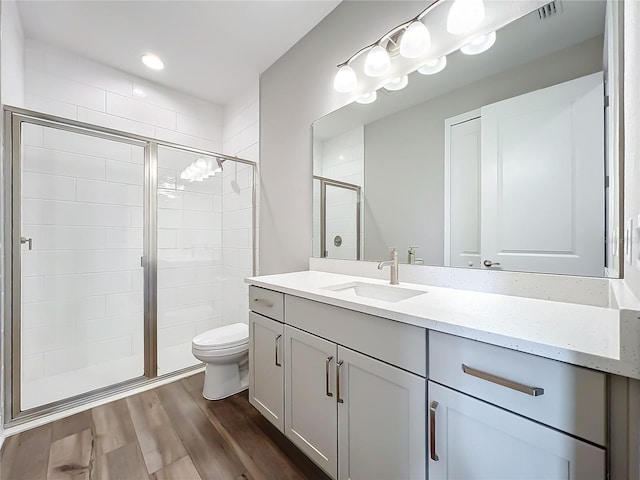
x=385 y=293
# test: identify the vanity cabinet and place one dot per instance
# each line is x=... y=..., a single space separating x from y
x=471 y=439
x=355 y=416
x=499 y=413
x=266 y=355
x=311 y=414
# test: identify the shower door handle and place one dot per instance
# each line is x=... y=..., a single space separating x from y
x=24 y=240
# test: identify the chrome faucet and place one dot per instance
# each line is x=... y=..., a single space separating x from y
x=393 y=263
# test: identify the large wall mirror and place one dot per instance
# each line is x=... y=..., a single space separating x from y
x=506 y=160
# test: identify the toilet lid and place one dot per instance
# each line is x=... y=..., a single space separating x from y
x=223 y=337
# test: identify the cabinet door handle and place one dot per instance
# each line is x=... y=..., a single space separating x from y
x=278 y=363
x=338 y=368
x=432 y=431
x=533 y=391
x=263 y=302
x=326 y=376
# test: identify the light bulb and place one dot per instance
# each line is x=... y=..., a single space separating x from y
x=464 y=16
x=433 y=66
x=365 y=100
x=397 y=84
x=479 y=44
x=415 y=41
x=377 y=62
x=345 y=80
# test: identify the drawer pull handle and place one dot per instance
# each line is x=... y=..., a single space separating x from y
x=326 y=376
x=338 y=368
x=278 y=362
x=263 y=302
x=533 y=391
x=432 y=431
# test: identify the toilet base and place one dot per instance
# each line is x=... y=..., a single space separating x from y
x=222 y=381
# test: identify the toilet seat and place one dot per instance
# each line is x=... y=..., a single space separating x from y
x=224 y=338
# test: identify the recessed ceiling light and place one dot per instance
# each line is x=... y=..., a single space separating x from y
x=152 y=61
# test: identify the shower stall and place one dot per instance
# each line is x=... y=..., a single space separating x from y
x=119 y=249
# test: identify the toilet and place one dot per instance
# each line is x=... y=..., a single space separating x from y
x=225 y=351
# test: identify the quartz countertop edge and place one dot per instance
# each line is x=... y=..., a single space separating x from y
x=600 y=338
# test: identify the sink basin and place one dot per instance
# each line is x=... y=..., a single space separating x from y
x=385 y=293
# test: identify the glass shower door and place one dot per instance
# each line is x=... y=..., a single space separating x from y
x=189 y=253
x=79 y=212
x=340 y=225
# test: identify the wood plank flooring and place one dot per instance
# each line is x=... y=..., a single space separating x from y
x=169 y=433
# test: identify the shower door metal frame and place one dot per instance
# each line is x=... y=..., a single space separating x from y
x=13 y=119
x=324 y=182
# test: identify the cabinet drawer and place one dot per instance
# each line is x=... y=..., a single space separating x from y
x=563 y=396
x=473 y=440
x=267 y=302
x=397 y=343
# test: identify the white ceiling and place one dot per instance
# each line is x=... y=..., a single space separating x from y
x=212 y=49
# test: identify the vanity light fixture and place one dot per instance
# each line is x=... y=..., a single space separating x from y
x=377 y=62
x=397 y=84
x=464 y=16
x=479 y=44
x=433 y=66
x=345 y=80
x=152 y=61
x=367 y=98
x=413 y=39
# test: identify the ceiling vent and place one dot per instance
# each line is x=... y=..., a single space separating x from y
x=548 y=10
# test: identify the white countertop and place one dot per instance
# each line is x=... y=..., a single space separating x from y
x=605 y=339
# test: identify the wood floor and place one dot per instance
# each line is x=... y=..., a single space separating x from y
x=170 y=432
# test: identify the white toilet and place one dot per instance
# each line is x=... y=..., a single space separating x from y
x=225 y=351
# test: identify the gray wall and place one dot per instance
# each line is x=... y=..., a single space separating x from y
x=404 y=153
x=295 y=91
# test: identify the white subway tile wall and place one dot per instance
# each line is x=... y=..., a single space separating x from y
x=340 y=158
x=241 y=139
x=189 y=258
x=82 y=282
x=62 y=83
x=12 y=83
